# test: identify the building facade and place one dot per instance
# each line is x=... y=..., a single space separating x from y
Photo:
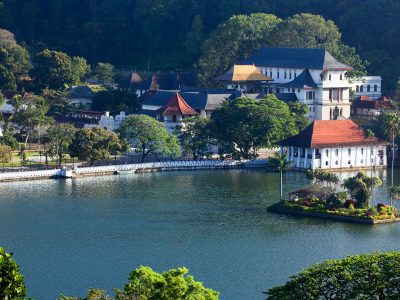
x=330 y=145
x=313 y=76
x=370 y=86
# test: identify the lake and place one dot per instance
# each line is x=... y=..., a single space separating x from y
x=70 y=235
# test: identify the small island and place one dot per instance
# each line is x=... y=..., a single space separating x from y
x=348 y=201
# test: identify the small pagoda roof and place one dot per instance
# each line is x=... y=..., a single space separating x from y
x=331 y=133
x=303 y=81
x=242 y=73
x=177 y=106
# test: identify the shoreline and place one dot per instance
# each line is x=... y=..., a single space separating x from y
x=131 y=168
x=276 y=208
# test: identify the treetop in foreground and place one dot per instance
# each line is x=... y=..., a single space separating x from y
x=11 y=281
x=367 y=276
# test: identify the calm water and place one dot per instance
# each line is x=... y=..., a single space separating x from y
x=71 y=235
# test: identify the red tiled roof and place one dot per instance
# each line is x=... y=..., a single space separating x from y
x=177 y=106
x=334 y=133
x=366 y=102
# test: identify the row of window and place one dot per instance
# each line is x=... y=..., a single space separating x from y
x=361 y=88
x=330 y=77
x=348 y=151
x=349 y=162
x=286 y=75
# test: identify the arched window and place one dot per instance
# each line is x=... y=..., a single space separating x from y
x=368 y=88
x=357 y=89
x=361 y=88
x=375 y=88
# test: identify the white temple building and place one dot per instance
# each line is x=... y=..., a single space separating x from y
x=311 y=76
x=338 y=144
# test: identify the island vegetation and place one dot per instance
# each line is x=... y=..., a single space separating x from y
x=327 y=197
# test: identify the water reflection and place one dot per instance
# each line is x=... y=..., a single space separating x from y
x=70 y=235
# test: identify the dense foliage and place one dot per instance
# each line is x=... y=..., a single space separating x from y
x=368 y=276
x=243 y=126
x=11 y=281
x=149 y=136
x=167 y=34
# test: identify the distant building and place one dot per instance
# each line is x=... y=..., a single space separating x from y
x=245 y=78
x=312 y=76
x=108 y=122
x=367 y=108
x=81 y=96
x=370 y=86
x=180 y=104
x=339 y=144
x=159 y=81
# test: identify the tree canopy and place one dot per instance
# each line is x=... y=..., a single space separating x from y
x=243 y=126
x=149 y=136
x=94 y=144
x=367 y=276
x=56 y=70
x=12 y=282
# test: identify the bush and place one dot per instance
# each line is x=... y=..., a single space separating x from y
x=368 y=276
x=11 y=281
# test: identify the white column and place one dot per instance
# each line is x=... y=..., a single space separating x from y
x=341 y=157
x=305 y=158
x=313 y=159
x=298 y=157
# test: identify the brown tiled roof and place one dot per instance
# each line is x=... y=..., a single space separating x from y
x=177 y=106
x=332 y=133
x=366 y=102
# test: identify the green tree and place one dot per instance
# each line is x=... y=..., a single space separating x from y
x=5 y=154
x=281 y=163
x=243 y=126
x=9 y=140
x=11 y=281
x=93 y=294
x=299 y=113
x=116 y=101
x=149 y=135
x=56 y=70
x=94 y=144
x=58 y=139
x=29 y=113
x=146 y=284
x=80 y=69
x=104 y=72
x=234 y=40
x=321 y=176
x=313 y=31
x=194 y=137
x=7 y=79
x=367 y=276
x=389 y=124
x=359 y=187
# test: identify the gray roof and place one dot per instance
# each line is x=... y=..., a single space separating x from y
x=303 y=81
x=199 y=100
x=81 y=92
x=287 y=97
x=300 y=58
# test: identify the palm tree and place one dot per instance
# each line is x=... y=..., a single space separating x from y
x=391 y=128
x=369 y=134
x=280 y=162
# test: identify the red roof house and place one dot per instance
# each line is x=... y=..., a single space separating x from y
x=331 y=133
x=177 y=106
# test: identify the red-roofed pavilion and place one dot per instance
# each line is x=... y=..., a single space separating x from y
x=176 y=109
x=335 y=144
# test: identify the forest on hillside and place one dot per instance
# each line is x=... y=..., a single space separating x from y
x=169 y=34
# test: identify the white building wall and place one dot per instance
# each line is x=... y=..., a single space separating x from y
x=338 y=158
x=364 y=82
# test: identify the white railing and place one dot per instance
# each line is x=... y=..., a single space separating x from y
x=172 y=165
x=30 y=174
x=164 y=166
